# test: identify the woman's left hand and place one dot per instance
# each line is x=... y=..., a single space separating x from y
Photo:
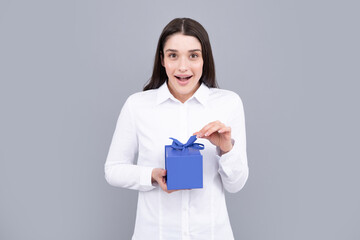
x=218 y=134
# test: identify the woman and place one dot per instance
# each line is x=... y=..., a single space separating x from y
x=181 y=99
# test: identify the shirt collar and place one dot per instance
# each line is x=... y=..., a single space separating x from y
x=201 y=94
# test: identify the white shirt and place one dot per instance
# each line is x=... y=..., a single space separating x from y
x=143 y=128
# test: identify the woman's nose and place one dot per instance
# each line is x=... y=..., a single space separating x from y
x=183 y=64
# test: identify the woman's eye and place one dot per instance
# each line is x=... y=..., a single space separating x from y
x=194 y=55
x=172 y=55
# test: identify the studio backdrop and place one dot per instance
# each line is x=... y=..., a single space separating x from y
x=67 y=67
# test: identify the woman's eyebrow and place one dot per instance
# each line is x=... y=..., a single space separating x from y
x=195 y=50
x=174 y=50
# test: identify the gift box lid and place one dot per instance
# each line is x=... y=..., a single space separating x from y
x=179 y=149
x=171 y=152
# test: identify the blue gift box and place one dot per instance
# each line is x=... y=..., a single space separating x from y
x=184 y=164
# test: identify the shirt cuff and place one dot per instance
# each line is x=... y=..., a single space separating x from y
x=226 y=160
x=145 y=178
x=219 y=152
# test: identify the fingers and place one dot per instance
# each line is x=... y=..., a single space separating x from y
x=160 y=178
x=162 y=184
x=170 y=191
x=224 y=130
x=219 y=129
x=163 y=172
x=212 y=127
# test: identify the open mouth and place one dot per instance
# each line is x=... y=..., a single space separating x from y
x=183 y=78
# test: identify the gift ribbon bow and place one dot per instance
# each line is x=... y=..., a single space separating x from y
x=176 y=144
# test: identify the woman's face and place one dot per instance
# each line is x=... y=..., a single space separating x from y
x=183 y=63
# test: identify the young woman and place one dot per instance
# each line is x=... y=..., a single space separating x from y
x=181 y=99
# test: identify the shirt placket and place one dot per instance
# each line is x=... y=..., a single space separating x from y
x=184 y=193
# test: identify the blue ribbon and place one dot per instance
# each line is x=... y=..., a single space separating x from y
x=176 y=144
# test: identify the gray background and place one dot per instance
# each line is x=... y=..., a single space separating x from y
x=66 y=68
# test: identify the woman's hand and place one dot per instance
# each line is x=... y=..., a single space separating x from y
x=158 y=175
x=218 y=134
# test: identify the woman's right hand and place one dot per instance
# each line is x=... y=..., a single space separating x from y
x=158 y=175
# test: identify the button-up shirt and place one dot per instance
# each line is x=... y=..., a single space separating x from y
x=146 y=122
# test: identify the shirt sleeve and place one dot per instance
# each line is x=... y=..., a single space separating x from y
x=233 y=165
x=120 y=170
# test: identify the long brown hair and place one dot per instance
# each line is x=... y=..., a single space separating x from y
x=189 y=27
